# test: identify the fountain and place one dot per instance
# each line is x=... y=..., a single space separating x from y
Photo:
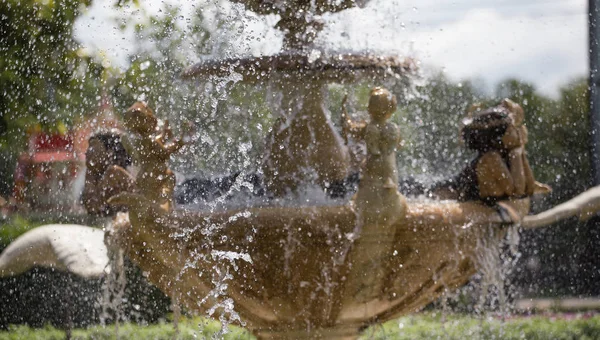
x=310 y=271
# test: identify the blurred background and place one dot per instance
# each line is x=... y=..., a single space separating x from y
x=68 y=68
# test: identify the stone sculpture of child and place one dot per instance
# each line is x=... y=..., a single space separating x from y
x=151 y=152
x=504 y=170
x=106 y=172
x=378 y=204
x=377 y=193
x=501 y=170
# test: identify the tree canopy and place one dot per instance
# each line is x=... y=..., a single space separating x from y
x=46 y=79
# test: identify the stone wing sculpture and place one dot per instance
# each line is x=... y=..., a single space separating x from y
x=69 y=247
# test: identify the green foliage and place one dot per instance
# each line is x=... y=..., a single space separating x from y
x=45 y=79
x=44 y=74
x=412 y=327
x=229 y=120
x=188 y=329
x=431 y=129
x=24 y=332
x=13 y=228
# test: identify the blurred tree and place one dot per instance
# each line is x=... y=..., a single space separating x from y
x=560 y=260
x=45 y=77
x=230 y=119
x=432 y=118
x=558 y=134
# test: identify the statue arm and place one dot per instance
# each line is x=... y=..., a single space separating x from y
x=530 y=183
x=345 y=120
x=116 y=180
x=173 y=147
x=517 y=170
x=167 y=134
x=493 y=176
x=515 y=140
x=129 y=146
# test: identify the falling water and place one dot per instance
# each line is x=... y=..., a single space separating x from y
x=113 y=287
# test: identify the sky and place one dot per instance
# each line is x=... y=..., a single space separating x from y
x=539 y=41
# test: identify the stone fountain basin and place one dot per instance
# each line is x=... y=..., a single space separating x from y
x=317 y=6
x=343 y=67
x=287 y=275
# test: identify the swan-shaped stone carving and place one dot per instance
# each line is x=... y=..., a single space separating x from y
x=69 y=247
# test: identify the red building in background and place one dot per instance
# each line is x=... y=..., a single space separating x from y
x=49 y=176
x=46 y=173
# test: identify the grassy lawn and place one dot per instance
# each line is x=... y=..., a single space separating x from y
x=468 y=327
x=421 y=326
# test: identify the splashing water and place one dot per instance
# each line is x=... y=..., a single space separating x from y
x=113 y=291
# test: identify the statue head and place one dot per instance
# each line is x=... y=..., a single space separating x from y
x=140 y=119
x=516 y=111
x=382 y=104
x=482 y=129
x=106 y=149
x=496 y=127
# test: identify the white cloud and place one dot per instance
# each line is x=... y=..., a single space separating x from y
x=544 y=42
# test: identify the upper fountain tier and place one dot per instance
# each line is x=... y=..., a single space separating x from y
x=335 y=67
x=303 y=147
x=300 y=20
x=289 y=7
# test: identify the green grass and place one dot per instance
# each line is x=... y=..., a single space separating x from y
x=188 y=329
x=457 y=327
x=421 y=326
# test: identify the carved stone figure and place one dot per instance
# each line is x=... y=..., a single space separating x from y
x=500 y=171
x=106 y=175
x=378 y=187
x=503 y=170
x=377 y=203
x=151 y=151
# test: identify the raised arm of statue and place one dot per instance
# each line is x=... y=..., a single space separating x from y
x=493 y=176
x=531 y=186
x=166 y=133
x=116 y=180
x=129 y=146
x=174 y=146
x=344 y=120
x=513 y=142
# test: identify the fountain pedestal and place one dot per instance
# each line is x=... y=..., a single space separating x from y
x=303 y=146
